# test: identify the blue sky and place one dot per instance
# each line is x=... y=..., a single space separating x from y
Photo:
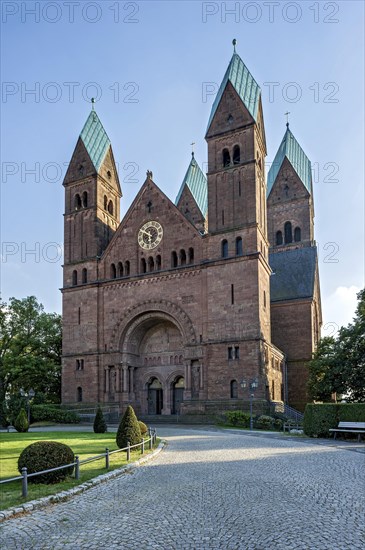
x=154 y=68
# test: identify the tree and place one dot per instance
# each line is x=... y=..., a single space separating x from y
x=338 y=365
x=21 y=423
x=129 y=429
x=100 y=426
x=30 y=349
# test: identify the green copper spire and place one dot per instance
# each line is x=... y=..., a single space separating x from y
x=289 y=148
x=197 y=184
x=244 y=84
x=95 y=139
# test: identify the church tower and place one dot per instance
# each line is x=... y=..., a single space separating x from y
x=92 y=196
x=295 y=293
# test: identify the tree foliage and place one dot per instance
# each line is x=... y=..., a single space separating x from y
x=338 y=366
x=30 y=349
x=100 y=426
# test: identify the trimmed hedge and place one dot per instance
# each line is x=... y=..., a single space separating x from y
x=320 y=417
x=43 y=455
x=237 y=418
x=40 y=413
x=143 y=427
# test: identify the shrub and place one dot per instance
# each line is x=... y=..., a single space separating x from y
x=52 y=413
x=43 y=455
x=100 y=426
x=351 y=412
x=21 y=423
x=265 y=422
x=128 y=429
x=237 y=418
x=143 y=427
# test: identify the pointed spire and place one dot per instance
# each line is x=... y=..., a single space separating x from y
x=234 y=42
x=95 y=138
x=196 y=181
x=289 y=148
x=243 y=82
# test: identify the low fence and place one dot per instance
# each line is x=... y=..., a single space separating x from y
x=78 y=463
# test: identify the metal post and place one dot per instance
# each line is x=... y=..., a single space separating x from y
x=107 y=458
x=24 y=482
x=128 y=451
x=154 y=436
x=151 y=442
x=77 y=467
x=251 y=423
x=142 y=446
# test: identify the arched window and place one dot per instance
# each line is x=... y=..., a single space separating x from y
x=226 y=158
x=110 y=207
x=79 y=394
x=182 y=257
x=236 y=155
x=120 y=269
x=77 y=202
x=239 y=250
x=105 y=202
x=151 y=264
x=234 y=389
x=74 y=277
x=84 y=199
x=113 y=272
x=143 y=265
x=127 y=268
x=158 y=262
x=84 y=275
x=173 y=259
x=288 y=233
x=297 y=234
x=279 y=238
x=224 y=248
x=191 y=255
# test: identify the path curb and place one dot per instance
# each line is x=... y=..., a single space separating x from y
x=67 y=495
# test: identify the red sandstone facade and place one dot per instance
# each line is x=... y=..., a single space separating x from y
x=169 y=309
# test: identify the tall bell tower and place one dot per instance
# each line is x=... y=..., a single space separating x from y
x=92 y=196
x=236 y=156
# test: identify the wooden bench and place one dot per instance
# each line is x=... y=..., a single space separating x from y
x=350 y=427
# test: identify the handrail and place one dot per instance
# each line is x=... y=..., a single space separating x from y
x=24 y=477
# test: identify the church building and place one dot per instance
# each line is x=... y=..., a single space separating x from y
x=191 y=306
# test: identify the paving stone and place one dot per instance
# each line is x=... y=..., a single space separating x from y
x=212 y=490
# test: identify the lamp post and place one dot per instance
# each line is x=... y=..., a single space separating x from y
x=28 y=396
x=252 y=385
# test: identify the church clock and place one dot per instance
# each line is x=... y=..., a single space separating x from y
x=150 y=235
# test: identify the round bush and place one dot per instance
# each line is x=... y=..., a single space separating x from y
x=143 y=428
x=43 y=455
x=129 y=429
x=264 y=422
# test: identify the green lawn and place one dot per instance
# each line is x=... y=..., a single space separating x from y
x=83 y=444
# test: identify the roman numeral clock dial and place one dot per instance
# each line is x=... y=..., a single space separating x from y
x=150 y=235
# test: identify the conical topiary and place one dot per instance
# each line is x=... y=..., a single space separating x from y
x=129 y=429
x=100 y=426
x=21 y=423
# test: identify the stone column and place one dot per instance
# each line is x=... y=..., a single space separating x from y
x=117 y=379
x=201 y=381
x=125 y=384
x=187 y=391
x=131 y=383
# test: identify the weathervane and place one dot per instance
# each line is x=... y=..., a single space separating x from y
x=234 y=42
x=192 y=148
x=287 y=118
x=92 y=103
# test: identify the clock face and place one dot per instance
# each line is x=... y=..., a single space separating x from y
x=150 y=235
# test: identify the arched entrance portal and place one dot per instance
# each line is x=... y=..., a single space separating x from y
x=155 y=397
x=177 y=394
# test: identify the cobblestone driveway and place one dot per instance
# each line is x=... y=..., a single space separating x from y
x=210 y=490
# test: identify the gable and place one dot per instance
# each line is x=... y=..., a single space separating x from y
x=288 y=186
x=80 y=165
x=151 y=204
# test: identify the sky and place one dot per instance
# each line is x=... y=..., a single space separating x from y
x=154 y=69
